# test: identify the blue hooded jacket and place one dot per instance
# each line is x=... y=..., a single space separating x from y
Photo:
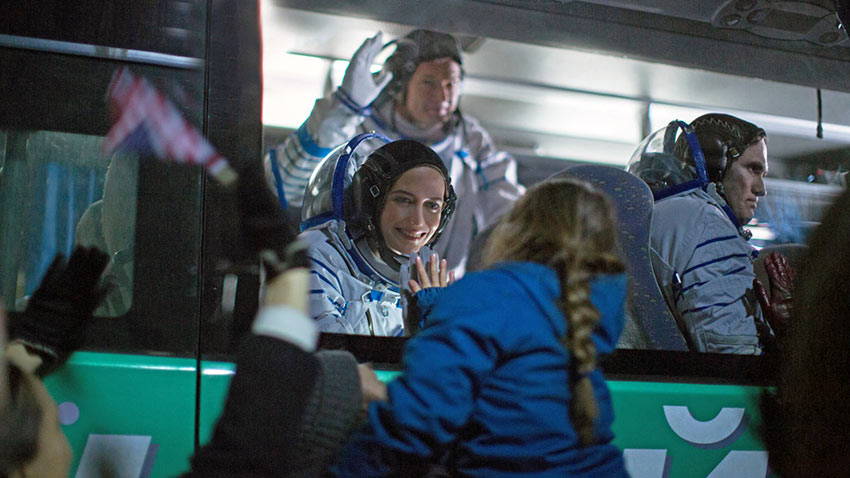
x=487 y=380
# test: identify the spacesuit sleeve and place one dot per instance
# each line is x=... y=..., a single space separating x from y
x=715 y=300
x=328 y=306
x=290 y=164
x=495 y=174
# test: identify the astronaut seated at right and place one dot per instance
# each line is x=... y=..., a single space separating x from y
x=365 y=221
x=707 y=180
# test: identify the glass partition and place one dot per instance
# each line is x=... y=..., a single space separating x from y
x=553 y=106
x=58 y=191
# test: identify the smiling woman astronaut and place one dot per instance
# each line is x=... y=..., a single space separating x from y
x=363 y=230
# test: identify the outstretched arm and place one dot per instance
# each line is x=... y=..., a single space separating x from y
x=53 y=324
x=334 y=120
x=423 y=415
x=276 y=372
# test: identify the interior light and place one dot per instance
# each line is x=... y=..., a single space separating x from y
x=661 y=114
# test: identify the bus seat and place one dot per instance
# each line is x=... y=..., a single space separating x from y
x=649 y=323
x=475 y=259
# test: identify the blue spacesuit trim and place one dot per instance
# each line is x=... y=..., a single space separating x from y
x=719 y=304
x=293 y=166
x=701 y=181
x=306 y=142
x=696 y=151
x=364 y=268
x=316 y=220
x=341 y=169
x=349 y=103
x=672 y=190
x=697 y=284
x=719 y=259
x=732 y=216
x=278 y=180
x=485 y=185
x=716 y=239
x=326 y=281
x=325 y=267
x=294 y=184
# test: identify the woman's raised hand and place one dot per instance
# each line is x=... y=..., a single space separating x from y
x=436 y=275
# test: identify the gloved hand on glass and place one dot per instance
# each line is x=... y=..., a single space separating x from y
x=54 y=321
x=359 y=86
x=776 y=305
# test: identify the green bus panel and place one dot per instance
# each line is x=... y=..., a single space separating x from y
x=688 y=430
x=127 y=415
x=215 y=379
x=138 y=412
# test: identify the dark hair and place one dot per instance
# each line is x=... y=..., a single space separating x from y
x=20 y=421
x=723 y=138
x=570 y=226
x=418 y=46
x=376 y=176
x=806 y=421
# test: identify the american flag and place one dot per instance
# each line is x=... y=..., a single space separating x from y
x=146 y=122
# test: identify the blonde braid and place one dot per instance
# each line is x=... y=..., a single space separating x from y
x=569 y=226
x=581 y=317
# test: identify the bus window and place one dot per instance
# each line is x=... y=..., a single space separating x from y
x=547 y=104
x=59 y=191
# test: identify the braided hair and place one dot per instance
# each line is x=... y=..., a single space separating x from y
x=570 y=226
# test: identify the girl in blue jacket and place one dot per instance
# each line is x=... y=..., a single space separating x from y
x=503 y=377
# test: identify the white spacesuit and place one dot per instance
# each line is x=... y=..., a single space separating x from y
x=484 y=178
x=700 y=254
x=355 y=277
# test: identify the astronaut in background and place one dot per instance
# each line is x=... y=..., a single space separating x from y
x=416 y=96
x=707 y=182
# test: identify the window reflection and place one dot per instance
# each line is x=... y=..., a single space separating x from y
x=57 y=191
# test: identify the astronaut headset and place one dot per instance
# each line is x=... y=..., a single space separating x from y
x=645 y=165
x=334 y=185
x=417 y=47
x=376 y=176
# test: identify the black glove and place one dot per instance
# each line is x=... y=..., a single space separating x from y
x=264 y=231
x=53 y=323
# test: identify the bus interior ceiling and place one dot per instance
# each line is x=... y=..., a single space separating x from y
x=585 y=81
x=555 y=82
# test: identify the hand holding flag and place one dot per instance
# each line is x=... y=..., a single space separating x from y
x=145 y=121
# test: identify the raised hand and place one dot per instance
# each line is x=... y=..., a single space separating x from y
x=358 y=84
x=436 y=275
x=53 y=323
x=776 y=305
